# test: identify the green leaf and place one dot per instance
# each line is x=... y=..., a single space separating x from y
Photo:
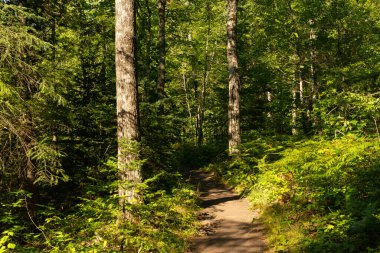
x=11 y=246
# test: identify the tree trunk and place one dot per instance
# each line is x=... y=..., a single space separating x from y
x=149 y=91
x=314 y=77
x=294 y=109
x=127 y=104
x=206 y=72
x=298 y=84
x=269 y=100
x=301 y=82
x=234 y=81
x=161 y=48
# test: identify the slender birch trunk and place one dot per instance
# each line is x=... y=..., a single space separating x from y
x=206 y=72
x=313 y=72
x=269 y=96
x=298 y=83
x=294 y=109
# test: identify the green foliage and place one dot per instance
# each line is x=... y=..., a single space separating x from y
x=57 y=123
x=242 y=172
x=343 y=112
x=324 y=193
x=164 y=222
x=25 y=138
x=315 y=195
x=5 y=242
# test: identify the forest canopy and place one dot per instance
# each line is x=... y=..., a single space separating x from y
x=106 y=107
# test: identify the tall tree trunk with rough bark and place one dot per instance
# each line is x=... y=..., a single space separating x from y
x=127 y=104
x=234 y=80
x=161 y=47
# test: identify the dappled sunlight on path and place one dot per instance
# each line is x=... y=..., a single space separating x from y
x=228 y=225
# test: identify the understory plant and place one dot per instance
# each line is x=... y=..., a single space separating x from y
x=163 y=222
x=321 y=196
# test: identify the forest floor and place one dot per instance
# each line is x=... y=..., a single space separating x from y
x=228 y=225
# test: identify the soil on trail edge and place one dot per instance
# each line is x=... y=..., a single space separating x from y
x=228 y=225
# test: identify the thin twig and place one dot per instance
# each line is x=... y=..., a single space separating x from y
x=332 y=110
x=377 y=128
x=31 y=219
x=186 y=96
x=337 y=131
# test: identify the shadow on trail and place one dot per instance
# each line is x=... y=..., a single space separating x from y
x=241 y=240
x=227 y=224
x=211 y=202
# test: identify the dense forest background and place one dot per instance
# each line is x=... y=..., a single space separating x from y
x=309 y=118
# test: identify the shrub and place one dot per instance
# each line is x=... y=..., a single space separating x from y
x=329 y=190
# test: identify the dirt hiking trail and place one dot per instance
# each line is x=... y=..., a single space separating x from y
x=228 y=225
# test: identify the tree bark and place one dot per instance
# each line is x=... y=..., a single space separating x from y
x=161 y=47
x=297 y=93
x=314 y=77
x=298 y=85
x=269 y=100
x=149 y=91
x=294 y=109
x=206 y=72
x=127 y=104
x=234 y=138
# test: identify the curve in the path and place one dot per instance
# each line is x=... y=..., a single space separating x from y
x=228 y=225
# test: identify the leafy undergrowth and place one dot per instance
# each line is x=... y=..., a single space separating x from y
x=164 y=223
x=315 y=195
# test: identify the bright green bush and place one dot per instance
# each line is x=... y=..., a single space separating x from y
x=163 y=224
x=242 y=172
x=316 y=195
x=328 y=191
